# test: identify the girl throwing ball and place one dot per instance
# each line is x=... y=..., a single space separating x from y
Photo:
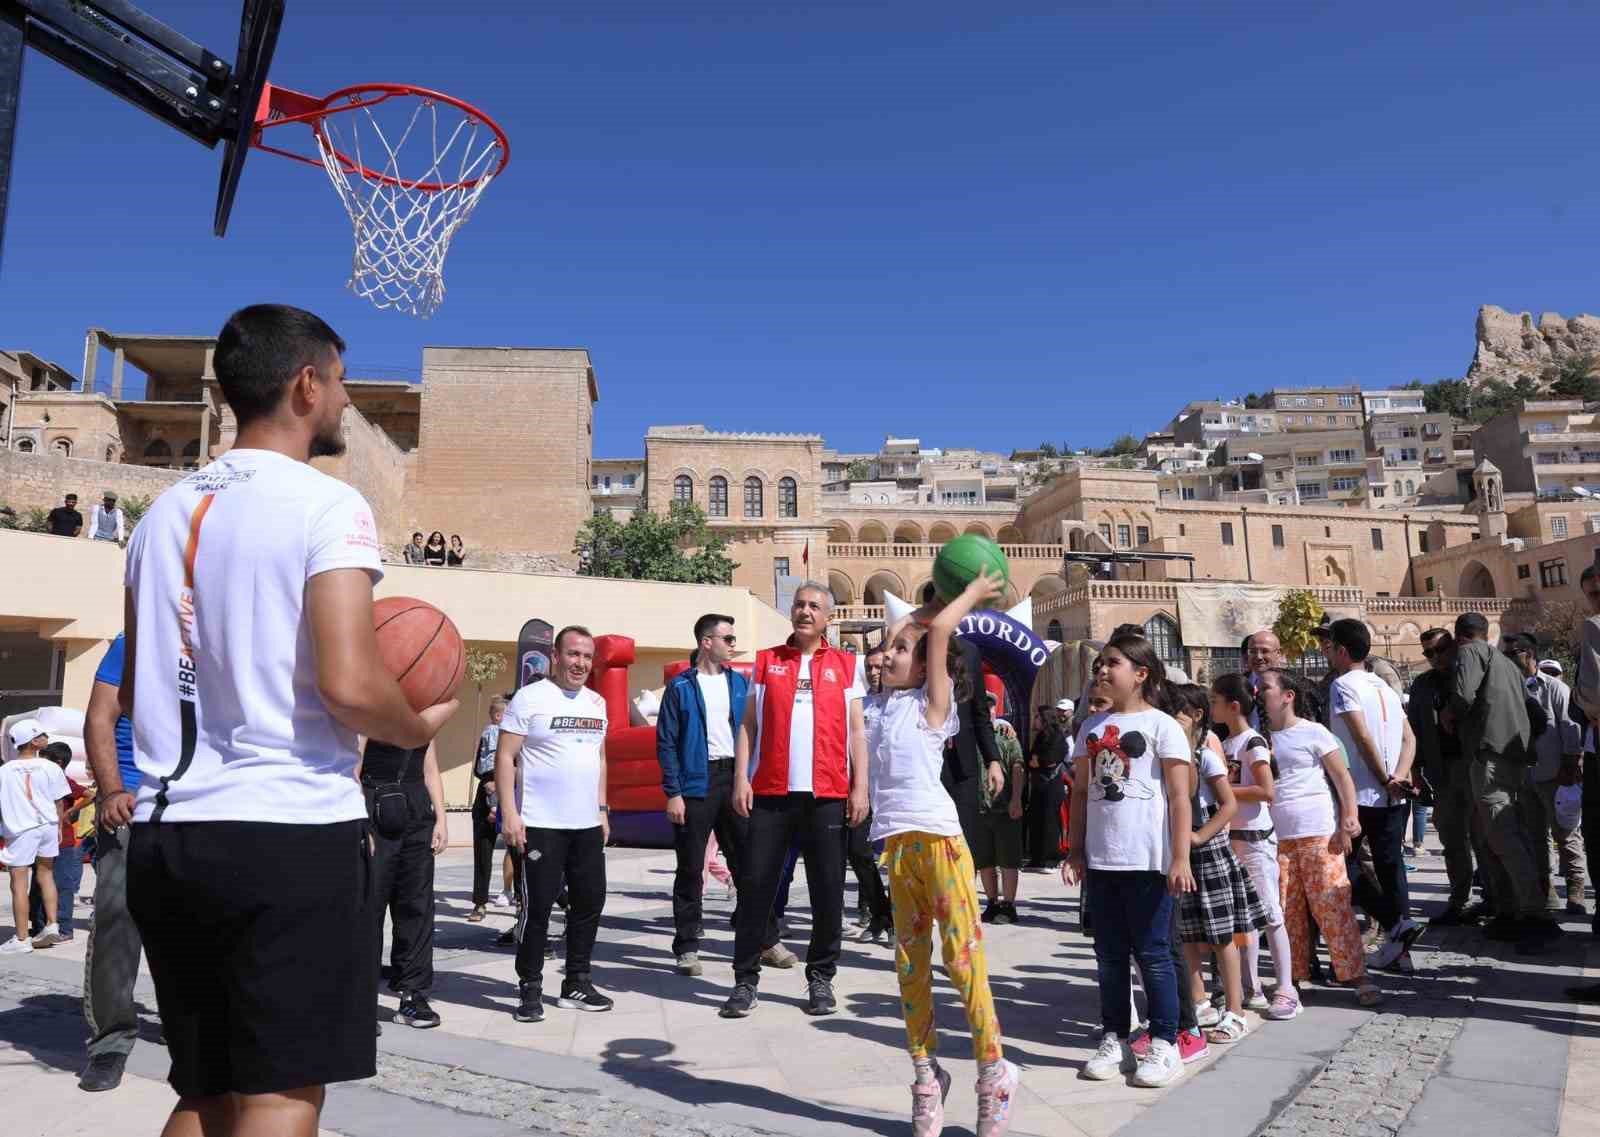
x=930 y=869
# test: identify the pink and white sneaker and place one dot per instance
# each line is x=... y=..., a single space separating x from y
x=1285 y=1005
x=1192 y=1046
x=927 y=1105
x=994 y=1100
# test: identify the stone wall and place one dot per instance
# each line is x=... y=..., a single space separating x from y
x=1510 y=346
x=377 y=467
x=505 y=442
x=39 y=481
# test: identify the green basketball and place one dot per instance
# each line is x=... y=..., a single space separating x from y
x=959 y=562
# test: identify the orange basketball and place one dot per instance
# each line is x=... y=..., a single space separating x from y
x=420 y=647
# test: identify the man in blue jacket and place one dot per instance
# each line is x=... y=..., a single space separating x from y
x=700 y=714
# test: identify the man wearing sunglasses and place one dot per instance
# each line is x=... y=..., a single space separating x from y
x=701 y=710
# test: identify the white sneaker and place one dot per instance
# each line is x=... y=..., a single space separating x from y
x=49 y=936
x=1206 y=1014
x=503 y=900
x=1111 y=1059
x=1257 y=1002
x=1159 y=1066
x=15 y=946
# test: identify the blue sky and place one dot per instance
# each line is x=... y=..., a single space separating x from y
x=978 y=224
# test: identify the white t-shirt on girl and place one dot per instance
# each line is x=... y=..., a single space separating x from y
x=1127 y=806
x=1245 y=750
x=1302 y=806
x=905 y=757
x=1210 y=765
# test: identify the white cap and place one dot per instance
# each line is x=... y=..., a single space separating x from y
x=1550 y=666
x=1065 y=705
x=24 y=731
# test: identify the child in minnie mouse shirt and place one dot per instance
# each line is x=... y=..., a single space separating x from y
x=1130 y=840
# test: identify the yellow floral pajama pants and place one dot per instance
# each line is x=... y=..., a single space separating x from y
x=930 y=879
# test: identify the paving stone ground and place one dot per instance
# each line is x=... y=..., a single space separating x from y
x=1476 y=1042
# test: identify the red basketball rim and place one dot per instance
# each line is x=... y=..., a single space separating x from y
x=281 y=106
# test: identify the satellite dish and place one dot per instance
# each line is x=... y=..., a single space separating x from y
x=1581 y=492
x=1254 y=457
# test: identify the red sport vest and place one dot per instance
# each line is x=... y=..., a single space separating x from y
x=832 y=672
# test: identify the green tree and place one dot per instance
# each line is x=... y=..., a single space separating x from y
x=1574 y=378
x=1125 y=444
x=1558 y=624
x=1298 y=615
x=1047 y=449
x=1480 y=403
x=858 y=471
x=678 y=546
x=1254 y=402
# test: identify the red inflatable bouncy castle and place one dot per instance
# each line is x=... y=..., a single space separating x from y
x=633 y=776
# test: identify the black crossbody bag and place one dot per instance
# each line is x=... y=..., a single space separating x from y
x=388 y=806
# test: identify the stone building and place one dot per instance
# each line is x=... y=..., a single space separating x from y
x=494 y=444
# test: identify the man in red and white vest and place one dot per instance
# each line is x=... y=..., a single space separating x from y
x=800 y=775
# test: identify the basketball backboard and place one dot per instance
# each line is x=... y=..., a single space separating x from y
x=258 y=38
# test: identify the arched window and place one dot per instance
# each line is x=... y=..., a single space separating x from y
x=752 y=496
x=1053 y=632
x=191 y=454
x=158 y=453
x=24 y=446
x=1411 y=486
x=683 y=488
x=788 y=498
x=1163 y=636
x=719 y=497
x=62 y=447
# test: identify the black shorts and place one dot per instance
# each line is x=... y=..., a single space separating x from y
x=263 y=949
x=998 y=841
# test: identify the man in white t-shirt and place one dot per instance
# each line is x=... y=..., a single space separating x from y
x=31 y=791
x=251 y=665
x=800 y=775
x=556 y=818
x=1367 y=718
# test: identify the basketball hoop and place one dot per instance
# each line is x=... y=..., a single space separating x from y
x=409 y=164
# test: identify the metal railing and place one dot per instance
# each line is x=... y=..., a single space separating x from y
x=925 y=552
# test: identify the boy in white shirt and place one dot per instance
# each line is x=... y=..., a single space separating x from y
x=31 y=791
x=1368 y=720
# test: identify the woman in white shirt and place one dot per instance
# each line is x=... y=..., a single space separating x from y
x=1311 y=846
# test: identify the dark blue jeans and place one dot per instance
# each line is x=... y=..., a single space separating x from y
x=1132 y=914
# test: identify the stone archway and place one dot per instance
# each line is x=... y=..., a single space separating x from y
x=843 y=589
x=1009 y=535
x=1476 y=580
x=980 y=529
x=1050 y=584
x=908 y=533
x=880 y=582
x=872 y=533
x=940 y=532
x=839 y=533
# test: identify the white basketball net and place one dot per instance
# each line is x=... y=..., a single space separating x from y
x=403 y=231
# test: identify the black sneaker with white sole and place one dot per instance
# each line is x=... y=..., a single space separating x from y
x=819 y=998
x=415 y=1012
x=578 y=994
x=530 y=1003
x=740 y=1003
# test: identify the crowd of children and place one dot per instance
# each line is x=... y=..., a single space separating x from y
x=1189 y=828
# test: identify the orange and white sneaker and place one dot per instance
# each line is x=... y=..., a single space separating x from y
x=995 y=1094
x=927 y=1104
